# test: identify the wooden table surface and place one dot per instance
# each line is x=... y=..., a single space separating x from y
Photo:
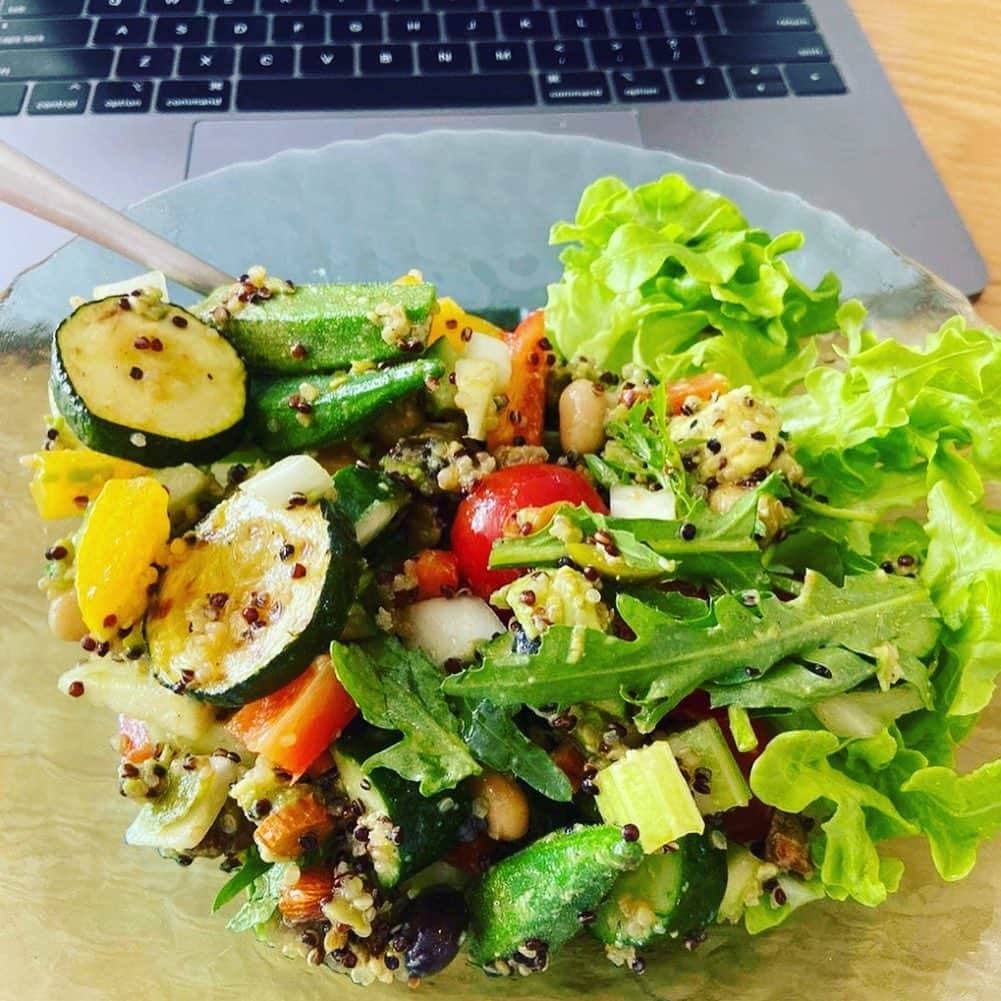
x=945 y=62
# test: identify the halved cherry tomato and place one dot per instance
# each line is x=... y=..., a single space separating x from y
x=523 y=416
x=702 y=386
x=134 y=742
x=296 y=724
x=301 y=901
x=482 y=515
x=437 y=573
x=569 y=760
x=280 y=835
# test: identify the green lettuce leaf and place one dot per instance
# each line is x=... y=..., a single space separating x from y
x=651 y=269
x=669 y=658
x=400 y=689
x=495 y=739
x=262 y=899
x=253 y=867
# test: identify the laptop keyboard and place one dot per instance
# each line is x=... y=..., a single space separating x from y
x=63 y=57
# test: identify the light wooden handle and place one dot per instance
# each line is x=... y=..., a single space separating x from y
x=28 y=185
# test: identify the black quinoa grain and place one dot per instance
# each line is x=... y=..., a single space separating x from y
x=56 y=553
x=759 y=436
x=298 y=571
x=714 y=446
x=89 y=644
x=185 y=860
x=297 y=500
x=298 y=351
x=362 y=834
x=52 y=434
x=237 y=474
x=250 y=614
x=262 y=808
x=391 y=962
x=75 y=689
x=818 y=669
x=527 y=597
x=630 y=832
x=179 y=321
x=102 y=648
x=886 y=566
x=545 y=344
x=688 y=531
x=286 y=551
x=124 y=303
x=134 y=652
x=779 y=896
x=156 y=344
x=466 y=334
x=219 y=599
x=906 y=560
x=135 y=373
x=309 y=842
x=638 y=965
x=110 y=621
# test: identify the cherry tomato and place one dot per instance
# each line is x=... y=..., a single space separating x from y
x=496 y=498
x=703 y=386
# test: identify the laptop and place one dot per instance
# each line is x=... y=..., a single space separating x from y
x=126 y=97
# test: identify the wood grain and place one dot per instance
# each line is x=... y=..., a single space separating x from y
x=945 y=62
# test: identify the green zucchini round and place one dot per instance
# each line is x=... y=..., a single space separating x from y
x=147 y=381
x=238 y=615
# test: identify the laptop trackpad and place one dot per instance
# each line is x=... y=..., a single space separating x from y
x=219 y=143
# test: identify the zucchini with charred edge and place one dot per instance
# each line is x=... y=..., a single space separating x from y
x=146 y=381
x=261 y=590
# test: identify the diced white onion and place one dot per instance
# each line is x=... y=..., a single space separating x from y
x=449 y=628
x=152 y=279
x=295 y=474
x=638 y=502
x=492 y=349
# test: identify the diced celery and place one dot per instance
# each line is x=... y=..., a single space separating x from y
x=740 y=726
x=745 y=874
x=703 y=753
x=647 y=788
x=866 y=714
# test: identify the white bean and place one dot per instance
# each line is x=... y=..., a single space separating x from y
x=65 y=619
x=506 y=805
x=582 y=416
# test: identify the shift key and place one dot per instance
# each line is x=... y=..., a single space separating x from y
x=54 y=64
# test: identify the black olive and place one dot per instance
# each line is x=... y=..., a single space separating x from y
x=433 y=925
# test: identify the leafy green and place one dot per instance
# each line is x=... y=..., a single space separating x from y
x=670 y=657
x=723 y=550
x=262 y=900
x=399 y=689
x=496 y=740
x=652 y=268
x=253 y=866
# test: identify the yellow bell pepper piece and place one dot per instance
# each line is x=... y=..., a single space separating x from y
x=126 y=531
x=451 y=319
x=65 y=481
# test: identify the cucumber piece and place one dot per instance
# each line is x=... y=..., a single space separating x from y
x=235 y=618
x=646 y=787
x=539 y=893
x=128 y=687
x=159 y=406
x=717 y=781
x=291 y=415
x=369 y=499
x=181 y=816
x=441 y=400
x=318 y=328
x=671 y=893
x=407 y=831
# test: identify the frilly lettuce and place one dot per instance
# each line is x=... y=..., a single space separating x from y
x=653 y=268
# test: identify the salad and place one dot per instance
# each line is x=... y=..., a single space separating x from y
x=659 y=607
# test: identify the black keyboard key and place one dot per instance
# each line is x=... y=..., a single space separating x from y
x=181 y=31
x=119 y=7
x=759 y=88
x=240 y=30
x=455 y=57
x=767 y=47
x=54 y=64
x=529 y=24
x=145 y=63
x=308 y=28
x=34 y=34
x=501 y=57
x=343 y=6
x=363 y=28
x=286 y=6
x=753 y=74
x=41 y=8
x=447 y=5
x=561 y=3
x=193 y=96
x=617 y=53
x=511 y=4
x=372 y=93
x=122 y=97
x=677 y=50
x=208 y=60
x=810 y=81
x=574 y=88
x=692 y=20
x=560 y=55
x=470 y=26
x=327 y=60
x=767 y=17
x=637 y=21
x=180 y=7
x=377 y=60
x=392 y=5
x=413 y=28
x=640 y=85
x=699 y=85
x=267 y=60
x=122 y=31
x=11 y=98
x=583 y=23
x=58 y=99
x=228 y=6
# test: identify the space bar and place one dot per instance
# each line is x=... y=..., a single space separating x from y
x=388 y=92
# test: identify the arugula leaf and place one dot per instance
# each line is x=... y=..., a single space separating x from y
x=653 y=267
x=253 y=866
x=724 y=549
x=671 y=658
x=262 y=901
x=399 y=689
x=495 y=739
x=794 y=772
